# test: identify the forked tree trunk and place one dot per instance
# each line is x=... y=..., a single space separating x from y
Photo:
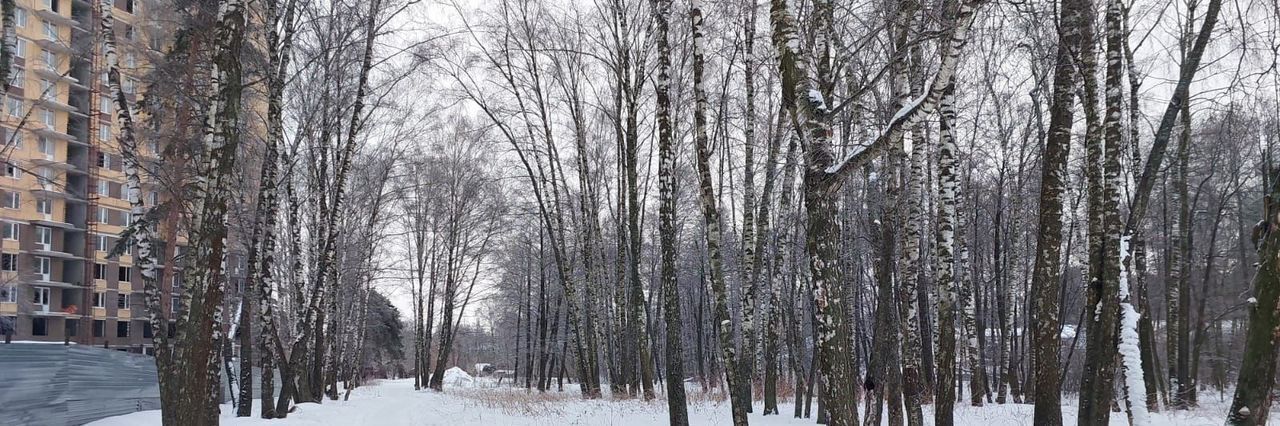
x=142 y=232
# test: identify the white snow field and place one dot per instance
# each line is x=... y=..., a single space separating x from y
x=394 y=402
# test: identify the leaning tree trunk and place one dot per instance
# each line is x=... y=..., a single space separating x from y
x=711 y=218
x=279 y=48
x=1252 y=402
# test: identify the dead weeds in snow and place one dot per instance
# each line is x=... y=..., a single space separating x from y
x=519 y=401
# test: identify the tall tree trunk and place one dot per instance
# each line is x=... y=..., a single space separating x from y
x=1108 y=288
x=914 y=147
x=1251 y=404
x=1053 y=184
x=244 y=405
x=750 y=234
x=199 y=334
x=279 y=47
x=142 y=232
x=676 y=405
x=948 y=187
x=711 y=218
x=886 y=363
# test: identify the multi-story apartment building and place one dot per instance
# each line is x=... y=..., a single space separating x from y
x=62 y=202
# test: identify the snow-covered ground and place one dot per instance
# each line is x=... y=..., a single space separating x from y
x=394 y=402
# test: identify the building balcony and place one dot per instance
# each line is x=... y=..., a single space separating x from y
x=50 y=163
x=50 y=72
x=56 y=254
x=75 y=84
x=55 y=134
x=56 y=18
x=55 y=45
x=55 y=104
x=41 y=282
x=56 y=224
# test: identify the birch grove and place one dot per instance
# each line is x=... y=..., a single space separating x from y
x=849 y=212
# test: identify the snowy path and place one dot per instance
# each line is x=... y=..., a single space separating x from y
x=394 y=402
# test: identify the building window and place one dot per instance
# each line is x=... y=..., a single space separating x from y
x=17 y=77
x=44 y=206
x=99 y=271
x=103 y=215
x=44 y=268
x=130 y=59
x=44 y=236
x=48 y=90
x=72 y=328
x=175 y=302
x=44 y=175
x=11 y=200
x=20 y=48
x=39 y=327
x=50 y=60
x=104 y=134
x=45 y=145
x=122 y=329
x=14 y=106
x=19 y=17
x=99 y=328
x=48 y=118
x=50 y=31
x=12 y=171
x=125 y=274
x=11 y=230
x=128 y=84
x=99 y=299
x=122 y=301
x=9 y=293
x=146 y=330
x=8 y=262
x=104 y=188
x=11 y=138
x=153 y=198
x=51 y=5
x=40 y=296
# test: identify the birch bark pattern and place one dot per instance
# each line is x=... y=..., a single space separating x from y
x=199 y=328
x=711 y=218
x=948 y=186
x=142 y=233
x=913 y=383
x=272 y=348
x=677 y=408
x=1047 y=284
